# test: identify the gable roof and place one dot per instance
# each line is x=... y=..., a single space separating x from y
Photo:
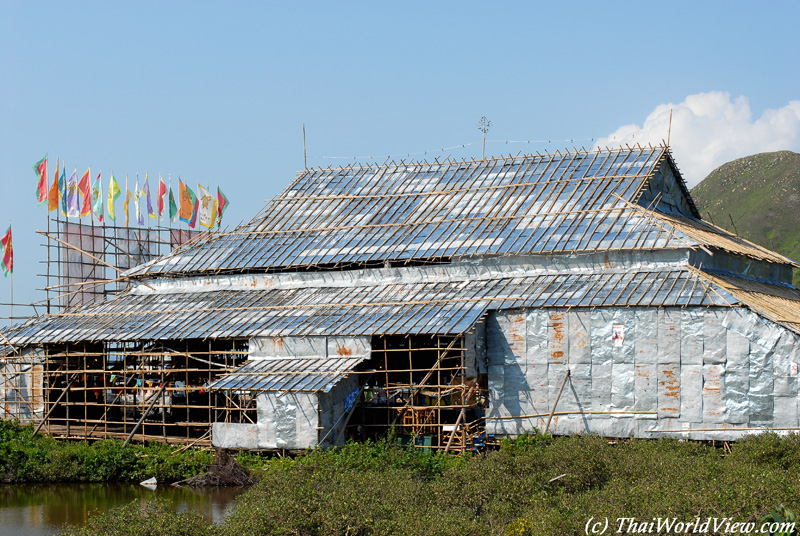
x=426 y=212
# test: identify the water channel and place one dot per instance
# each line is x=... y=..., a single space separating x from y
x=43 y=509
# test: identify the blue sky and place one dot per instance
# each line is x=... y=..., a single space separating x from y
x=217 y=92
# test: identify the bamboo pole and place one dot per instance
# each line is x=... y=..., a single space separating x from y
x=144 y=414
x=55 y=404
x=558 y=397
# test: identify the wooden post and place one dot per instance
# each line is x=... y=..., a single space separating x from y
x=558 y=396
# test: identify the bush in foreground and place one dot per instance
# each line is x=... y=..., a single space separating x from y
x=531 y=486
x=28 y=458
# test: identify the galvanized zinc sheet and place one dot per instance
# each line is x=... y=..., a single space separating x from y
x=287 y=374
x=533 y=203
x=443 y=307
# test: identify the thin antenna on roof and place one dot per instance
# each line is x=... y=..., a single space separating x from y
x=305 y=161
x=734 y=225
x=484 y=125
x=669 y=128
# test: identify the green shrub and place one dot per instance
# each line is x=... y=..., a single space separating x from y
x=144 y=518
x=28 y=458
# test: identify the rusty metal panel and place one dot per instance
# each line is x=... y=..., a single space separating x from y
x=645 y=391
x=669 y=336
x=692 y=337
x=714 y=407
x=536 y=336
x=558 y=344
x=580 y=349
x=692 y=393
x=669 y=390
x=512 y=327
x=715 y=336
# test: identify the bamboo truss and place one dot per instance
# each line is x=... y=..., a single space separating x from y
x=423 y=392
x=84 y=261
x=137 y=391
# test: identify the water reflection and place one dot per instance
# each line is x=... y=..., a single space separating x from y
x=43 y=509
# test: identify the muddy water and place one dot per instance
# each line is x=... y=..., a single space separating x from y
x=43 y=509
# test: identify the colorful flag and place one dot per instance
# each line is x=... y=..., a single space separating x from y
x=73 y=197
x=8 y=253
x=173 y=208
x=222 y=205
x=146 y=191
x=52 y=198
x=85 y=189
x=62 y=190
x=188 y=210
x=113 y=194
x=137 y=194
x=40 y=168
x=162 y=189
x=97 y=198
x=207 y=212
x=127 y=200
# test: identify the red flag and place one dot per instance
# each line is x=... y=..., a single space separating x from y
x=8 y=253
x=52 y=198
x=222 y=204
x=162 y=189
x=41 y=170
x=85 y=189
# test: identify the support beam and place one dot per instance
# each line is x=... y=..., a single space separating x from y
x=55 y=404
x=144 y=414
x=558 y=397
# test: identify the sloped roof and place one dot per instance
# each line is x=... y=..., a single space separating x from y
x=447 y=305
x=777 y=303
x=528 y=204
x=284 y=374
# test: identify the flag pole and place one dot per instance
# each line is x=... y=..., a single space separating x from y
x=11 y=314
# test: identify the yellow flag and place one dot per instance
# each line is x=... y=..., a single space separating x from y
x=113 y=194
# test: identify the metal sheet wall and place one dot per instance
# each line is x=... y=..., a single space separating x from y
x=698 y=373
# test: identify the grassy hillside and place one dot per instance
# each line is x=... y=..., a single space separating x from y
x=762 y=194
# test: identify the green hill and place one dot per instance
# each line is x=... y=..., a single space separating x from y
x=762 y=194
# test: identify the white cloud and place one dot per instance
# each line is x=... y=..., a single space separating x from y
x=709 y=129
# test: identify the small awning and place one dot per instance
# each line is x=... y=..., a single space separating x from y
x=288 y=374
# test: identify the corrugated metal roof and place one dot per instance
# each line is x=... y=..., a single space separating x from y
x=288 y=374
x=443 y=307
x=527 y=204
